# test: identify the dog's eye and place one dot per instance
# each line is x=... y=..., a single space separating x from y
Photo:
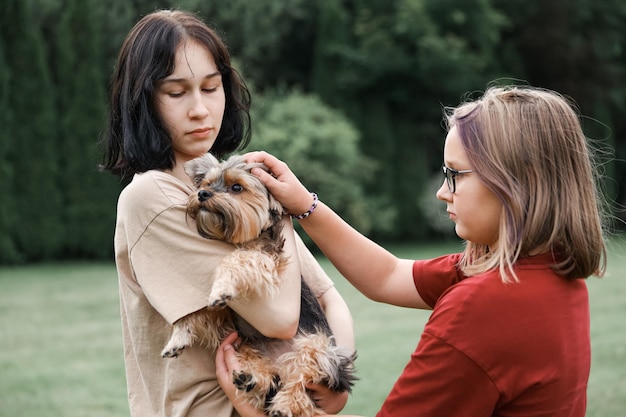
x=236 y=188
x=198 y=180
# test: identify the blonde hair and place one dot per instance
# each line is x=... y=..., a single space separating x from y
x=527 y=146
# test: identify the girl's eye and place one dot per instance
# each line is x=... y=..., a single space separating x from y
x=236 y=188
x=175 y=95
x=210 y=90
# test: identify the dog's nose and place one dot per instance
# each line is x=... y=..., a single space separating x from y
x=204 y=195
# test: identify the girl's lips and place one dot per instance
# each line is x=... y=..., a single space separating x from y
x=200 y=133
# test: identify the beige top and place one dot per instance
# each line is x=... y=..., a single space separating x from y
x=164 y=268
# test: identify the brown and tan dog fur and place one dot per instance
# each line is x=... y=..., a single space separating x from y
x=233 y=205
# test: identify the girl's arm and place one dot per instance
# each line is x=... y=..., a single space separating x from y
x=340 y=321
x=277 y=316
x=339 y=318
x=373 y=270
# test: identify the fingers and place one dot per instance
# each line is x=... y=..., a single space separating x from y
x=231 y=338
x=328 y=400
x=225 y=359
x=275 y=165
x=230 y=359
x=261 y=156
x=281 y=182
x=221 y=369
x=226 y=362
x=266 y=178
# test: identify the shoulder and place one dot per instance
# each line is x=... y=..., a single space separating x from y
x=483 y=314
x=433 y=277
x=155 y=186
x=480 y=297
x=150 y=193
x=157 y=202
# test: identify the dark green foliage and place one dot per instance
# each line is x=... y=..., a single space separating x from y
x=349 y=92
x=78 y=37
x=391 y=67
x=7 y=207
x=34 y=220
x=322 y=147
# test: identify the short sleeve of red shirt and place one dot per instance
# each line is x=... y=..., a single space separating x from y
x=432 y=277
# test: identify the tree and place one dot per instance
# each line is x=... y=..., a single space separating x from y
x=272 y=39
x=390 y=69
x=35 y=227
x=8 y=251
x=322 y=148
x=78 y=65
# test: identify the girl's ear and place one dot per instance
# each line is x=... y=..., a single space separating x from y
x=200 y=166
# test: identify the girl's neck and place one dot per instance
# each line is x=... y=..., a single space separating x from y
x=179 y=172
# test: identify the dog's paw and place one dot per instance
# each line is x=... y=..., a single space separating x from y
x=281 y=407
x=181 y=337
x=220 y=300
x=222 y=292
x=172 y=352
x=292 y=400
x=275 y=410
x=243 y=381
x=280 y=413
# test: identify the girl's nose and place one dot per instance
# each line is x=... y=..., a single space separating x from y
x=443 y=193
x=198 y=108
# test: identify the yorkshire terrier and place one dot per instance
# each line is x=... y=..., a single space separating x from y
x=233 y=205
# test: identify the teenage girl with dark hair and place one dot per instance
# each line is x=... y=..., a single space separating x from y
x=174 y=97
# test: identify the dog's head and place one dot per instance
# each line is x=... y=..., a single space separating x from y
x=230 y=204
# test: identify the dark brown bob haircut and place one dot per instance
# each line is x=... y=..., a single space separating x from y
x=135 y=140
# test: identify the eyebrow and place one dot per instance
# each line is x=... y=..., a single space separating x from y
x=182 y=80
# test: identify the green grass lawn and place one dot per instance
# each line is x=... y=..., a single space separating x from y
x=61 y=348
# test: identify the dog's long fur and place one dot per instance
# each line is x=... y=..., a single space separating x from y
x=233 y=205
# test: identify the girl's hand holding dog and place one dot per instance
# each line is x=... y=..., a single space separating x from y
x=226 y=363
x=281 y=182
x=328 y=400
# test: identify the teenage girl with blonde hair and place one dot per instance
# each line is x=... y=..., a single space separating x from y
x=509 y=331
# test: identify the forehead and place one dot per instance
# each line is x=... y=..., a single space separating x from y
x=193 y=59
x=454 y=155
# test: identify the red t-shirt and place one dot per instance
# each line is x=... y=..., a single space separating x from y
x=495 y=349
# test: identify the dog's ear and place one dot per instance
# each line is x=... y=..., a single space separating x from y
x=200 y=166
x=275 y=206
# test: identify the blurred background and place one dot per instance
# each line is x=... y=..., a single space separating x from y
x=349 y=92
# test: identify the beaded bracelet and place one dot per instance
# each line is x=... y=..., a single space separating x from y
x=309 y=212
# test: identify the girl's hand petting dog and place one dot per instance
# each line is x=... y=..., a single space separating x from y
x=281 y=182
x=226 y=363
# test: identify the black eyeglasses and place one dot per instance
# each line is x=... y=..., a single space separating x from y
x=451 y=175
